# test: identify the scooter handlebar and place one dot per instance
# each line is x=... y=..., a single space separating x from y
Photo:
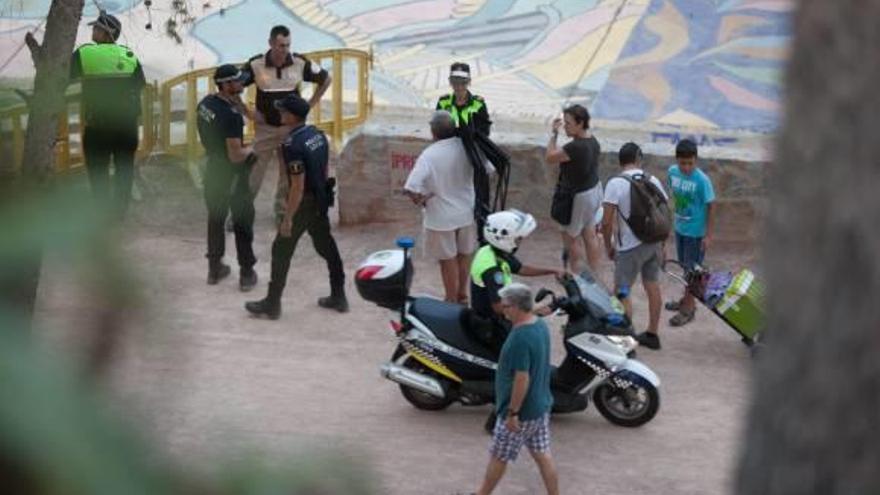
x=543 y=293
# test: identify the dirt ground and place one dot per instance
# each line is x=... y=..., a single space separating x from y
x=205 y=382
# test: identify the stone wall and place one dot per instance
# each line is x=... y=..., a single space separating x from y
x=374 y=159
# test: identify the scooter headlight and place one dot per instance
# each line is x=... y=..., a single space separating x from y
x=626 y=343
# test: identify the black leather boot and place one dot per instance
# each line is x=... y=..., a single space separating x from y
x=217 y=271
x=336 y=300
x=268 y=307
x=247 y=279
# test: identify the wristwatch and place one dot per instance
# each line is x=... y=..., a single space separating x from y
x=511 y=413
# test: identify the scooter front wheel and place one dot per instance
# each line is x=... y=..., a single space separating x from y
x=630 y=407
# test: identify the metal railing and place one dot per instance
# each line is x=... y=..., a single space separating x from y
x=180 y=96
x=168 y=117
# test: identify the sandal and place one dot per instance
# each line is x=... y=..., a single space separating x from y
x=682 y=318
x=673 y=305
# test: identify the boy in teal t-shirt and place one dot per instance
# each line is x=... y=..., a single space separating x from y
x=693 y=195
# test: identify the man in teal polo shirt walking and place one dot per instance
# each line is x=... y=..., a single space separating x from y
x=522 y=392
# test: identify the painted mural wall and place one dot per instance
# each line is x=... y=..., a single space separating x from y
x=711 y=64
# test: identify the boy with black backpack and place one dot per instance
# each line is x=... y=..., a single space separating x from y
x=637 y=210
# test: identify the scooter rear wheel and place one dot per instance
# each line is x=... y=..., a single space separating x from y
x=629 y=407
x=419 y=399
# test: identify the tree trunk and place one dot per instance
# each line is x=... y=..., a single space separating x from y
x=18 y=287
x=814 y=427
x=52 y=61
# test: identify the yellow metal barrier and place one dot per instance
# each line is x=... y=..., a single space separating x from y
x=174 y=131
x=68 y=143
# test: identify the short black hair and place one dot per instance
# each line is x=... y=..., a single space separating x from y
x=580 y=115
x=629 y=153
x=686 y=148
x=279 y=30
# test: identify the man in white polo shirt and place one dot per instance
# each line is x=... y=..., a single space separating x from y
x=442 y=182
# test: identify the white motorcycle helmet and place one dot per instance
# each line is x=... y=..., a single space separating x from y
x=504 y=228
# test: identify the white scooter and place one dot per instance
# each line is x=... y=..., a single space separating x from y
x=438 y=360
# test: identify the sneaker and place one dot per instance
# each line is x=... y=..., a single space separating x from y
x=264 y=308
x=339 y=303
x=218 y=272
x=682 y=318
x=649 y=340
x=247 y=279
x=673 y=305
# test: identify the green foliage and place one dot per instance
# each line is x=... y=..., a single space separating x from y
x=53 y=427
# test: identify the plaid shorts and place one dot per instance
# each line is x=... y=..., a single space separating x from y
x=534 y=434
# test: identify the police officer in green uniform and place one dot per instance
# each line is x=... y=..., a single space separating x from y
x=304 y=155
x=112 y=79
x=467 y=109
x=493 y=267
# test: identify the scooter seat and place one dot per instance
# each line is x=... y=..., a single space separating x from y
x=444 y=319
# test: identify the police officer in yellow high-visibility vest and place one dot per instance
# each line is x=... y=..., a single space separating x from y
x=112 y=80
x=467 y=109
x=493 y=267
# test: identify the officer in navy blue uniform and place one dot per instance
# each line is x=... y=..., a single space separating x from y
x=221 y=130
x=304 y=154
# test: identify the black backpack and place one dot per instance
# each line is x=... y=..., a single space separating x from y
x=650 y=217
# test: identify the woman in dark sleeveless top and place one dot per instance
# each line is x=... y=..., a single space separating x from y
x=578 y=162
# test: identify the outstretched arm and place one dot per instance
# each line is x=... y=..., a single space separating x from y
x=537 y=271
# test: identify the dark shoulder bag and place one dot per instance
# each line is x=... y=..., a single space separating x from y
x=562 y=205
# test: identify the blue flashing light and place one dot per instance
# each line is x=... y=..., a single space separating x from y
x=406 y=242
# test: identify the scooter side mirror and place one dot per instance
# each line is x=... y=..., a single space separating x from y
x=542 y=294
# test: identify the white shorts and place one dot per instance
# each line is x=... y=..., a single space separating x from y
x=583 y=210
x=447 y=244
